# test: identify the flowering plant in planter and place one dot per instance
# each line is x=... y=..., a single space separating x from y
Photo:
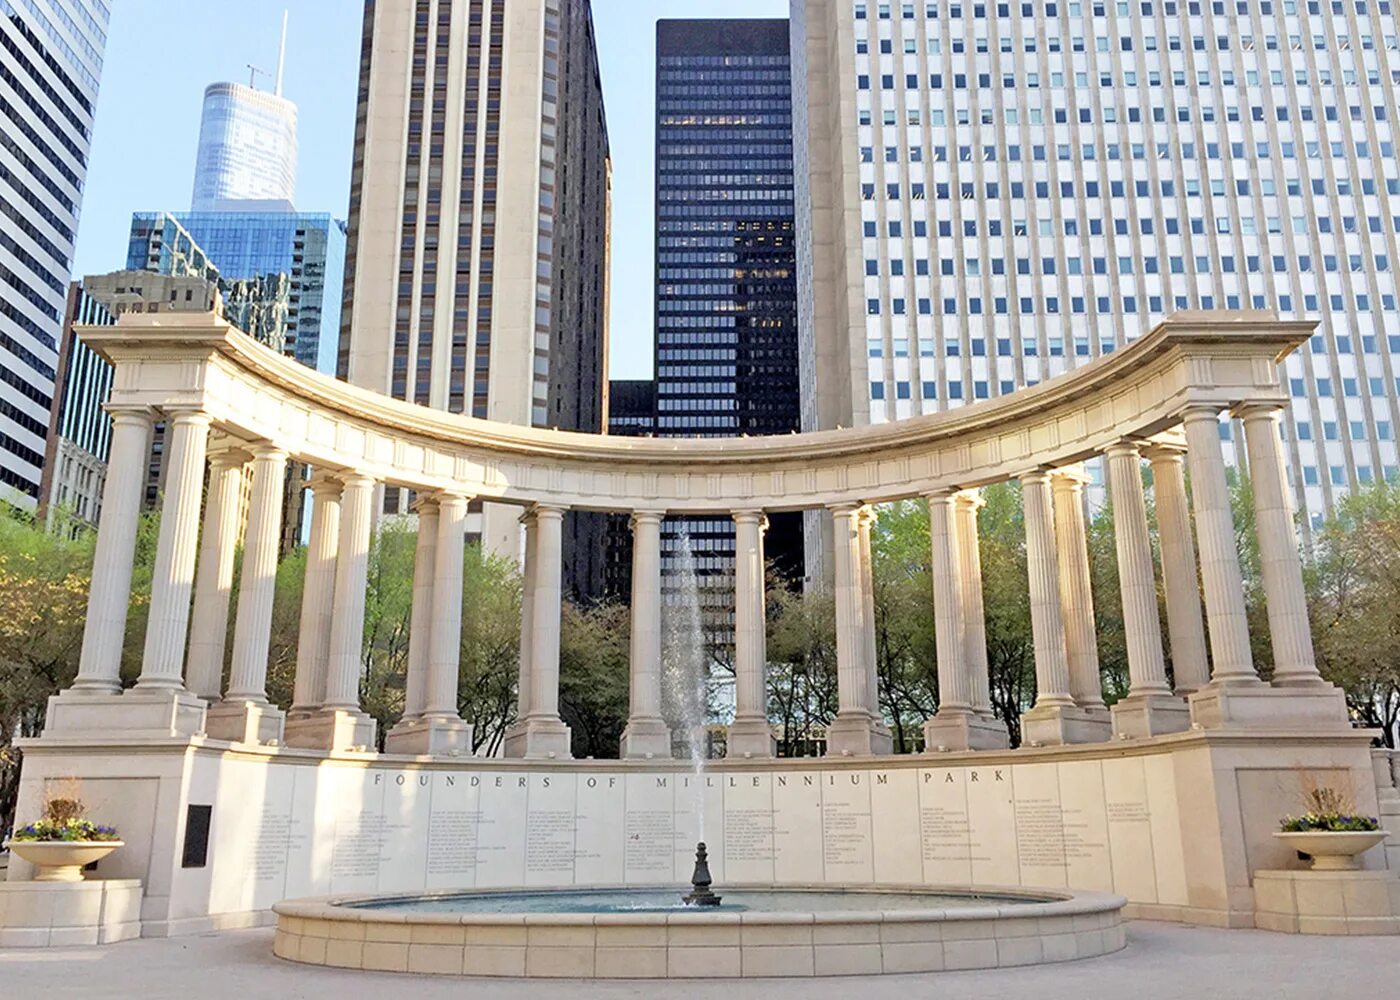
x=63 y=841
x=1329 y=811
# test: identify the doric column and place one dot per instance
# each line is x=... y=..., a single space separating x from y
x=421 y=615
x=514 y=744
x=1289 y=629
x=1076 y=589
x=1185 y=626
x=317 y=596
x=750 y=735
x=172 y=579
x=1055 y=719
x=852 y=731
x=1150 y=708
x=647 y=734
x=539 y=732
x=109 y=597
x=213 y=583
x=1047 y=619
x=865 y=521
x=245 y=715
x=1231 y=660
x=445 y=655
x=340 y=724
x=966 y=506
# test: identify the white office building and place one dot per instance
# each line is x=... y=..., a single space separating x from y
x=49 y=73
x=247 y=148
x=1001 y=191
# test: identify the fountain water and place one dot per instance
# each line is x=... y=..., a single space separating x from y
x=685 y=672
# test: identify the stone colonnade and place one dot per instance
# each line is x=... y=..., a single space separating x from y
x=184 y=651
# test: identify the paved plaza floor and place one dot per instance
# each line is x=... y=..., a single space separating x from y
x=1161 y=962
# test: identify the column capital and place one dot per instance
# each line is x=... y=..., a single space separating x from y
x=128 y=413
x=1260 y=410
x=1197 y=412
x=549 y=512
x=426 y=503
x=268 y=450
x=444 y=498
x=1036 y=476
x=1126 y=448
x=1164 y=451
x=324 y=484
x=846 y=509
x=646 y=517
x=351 y=477
x=1070 y=477
x=229 y=455
x=757 y=516
x=948 y=494
x=970 y=500
x=187 y=414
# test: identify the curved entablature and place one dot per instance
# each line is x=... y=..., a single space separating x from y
x=173 y=361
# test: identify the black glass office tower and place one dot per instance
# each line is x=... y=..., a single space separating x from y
x=726 y=262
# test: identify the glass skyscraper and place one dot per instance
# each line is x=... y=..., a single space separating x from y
x=726 y=301
x=307 y=248
x=247 y=148
x=49 y=70
x=1002 y=191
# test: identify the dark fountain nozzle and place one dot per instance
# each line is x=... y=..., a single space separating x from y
x=700 y=894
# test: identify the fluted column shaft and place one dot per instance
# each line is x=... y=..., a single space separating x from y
x=1137 y=580
x=954 y=688
x=1047 y=620
x=1185 y=626
x=1290 y=631
x=646 y=617
x=109 y=597
x=213 y=583
x=527 y=611
x=966 y=508
x=421 y=615
x=1231 y=660
x=1076 y=590
x=348 y=615
x=172 y=579
x=318 y=595
x=545 y=614
x=257 y=585
x=445 y=656
x=852 y=686
x=750 y=640
x=865 y=521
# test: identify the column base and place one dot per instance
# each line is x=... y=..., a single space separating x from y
x=145 y=714
x=244 y=722
x=857 y=735
x=1263 y=707
x=1138 y=717
x=539 y=739
x=750 y=738
x=1064 y=725
x=332 y=729
x=646 y=739
x=964 y=731
x=431 y=737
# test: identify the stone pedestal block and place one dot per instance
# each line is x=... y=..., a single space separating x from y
x=964 y=731
x=857 y=735
x=751 y=738
x=68 y=914
x=1327 y=902
x=244 y=722
x=1139 y=717
x=646 y=739
x=135 y=714
x=1258 y=706
x=539 y=739
x=1061 y=725
x=430 y=737
x=332 y=730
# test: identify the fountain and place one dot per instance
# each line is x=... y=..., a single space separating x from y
x=685 y=669
x=700 y=893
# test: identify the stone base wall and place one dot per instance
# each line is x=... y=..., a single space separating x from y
x=1175 y=823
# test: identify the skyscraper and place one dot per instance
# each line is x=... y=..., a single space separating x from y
x=49 y=74
x=726 y=263
x=1002 y=191
x=247 y=143
x=479 y=224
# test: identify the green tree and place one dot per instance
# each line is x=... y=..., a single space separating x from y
x=801 y=665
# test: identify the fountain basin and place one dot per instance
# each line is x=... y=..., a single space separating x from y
x=759 y=932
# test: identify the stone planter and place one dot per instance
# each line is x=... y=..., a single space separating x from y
x=1333 y=851
x=62 y=860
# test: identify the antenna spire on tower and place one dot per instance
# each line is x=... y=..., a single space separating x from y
x=281 y=54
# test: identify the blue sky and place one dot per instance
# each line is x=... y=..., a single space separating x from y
x=161 y=54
